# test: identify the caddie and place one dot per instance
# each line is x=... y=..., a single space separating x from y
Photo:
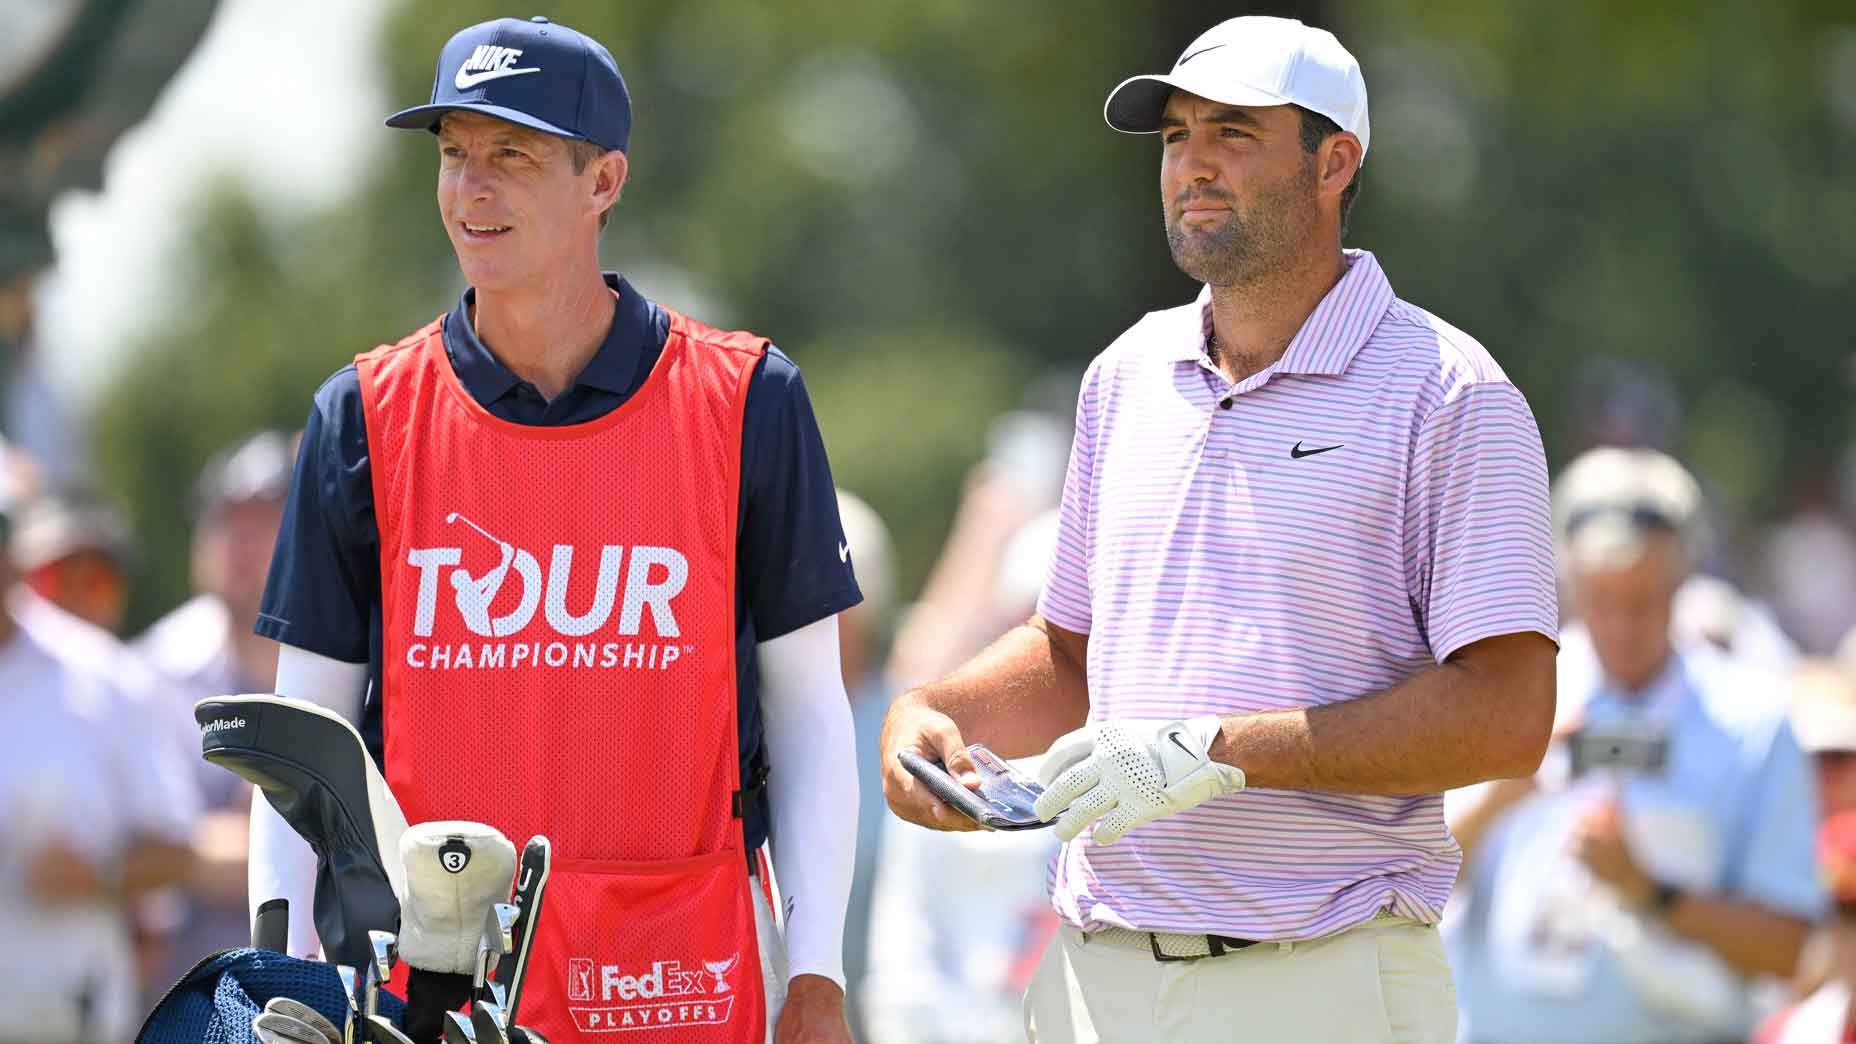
x=584 y=553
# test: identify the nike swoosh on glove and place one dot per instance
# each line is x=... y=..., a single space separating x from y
x=1133 y=774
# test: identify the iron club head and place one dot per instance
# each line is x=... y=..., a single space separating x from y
x=487 y=1018
x=385 y=1032
x=458 y=1029
x=351 y=989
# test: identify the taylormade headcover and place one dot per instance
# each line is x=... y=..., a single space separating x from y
x=313 y=768
x=454 y=871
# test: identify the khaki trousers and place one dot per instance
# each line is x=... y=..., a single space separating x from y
x=1384 y=982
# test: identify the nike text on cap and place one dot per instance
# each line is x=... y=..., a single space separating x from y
x=535 y=73
x=1254 y=60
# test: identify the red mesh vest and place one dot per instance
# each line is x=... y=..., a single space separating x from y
x=558 y=616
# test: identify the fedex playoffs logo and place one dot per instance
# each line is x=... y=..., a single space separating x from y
x=653 y=577
x=605 y=998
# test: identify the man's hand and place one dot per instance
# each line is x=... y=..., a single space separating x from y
x=937 y=738
x=1598 y=841
x=1138 y=772
x=813 y=1014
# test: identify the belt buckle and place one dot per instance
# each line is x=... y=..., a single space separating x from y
x=1153 y=940
x=1218 y=945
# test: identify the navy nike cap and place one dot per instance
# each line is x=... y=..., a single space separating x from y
x=537 y=74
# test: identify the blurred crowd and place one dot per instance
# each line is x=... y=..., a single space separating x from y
x=1682 y=868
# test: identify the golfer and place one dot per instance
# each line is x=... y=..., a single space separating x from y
x=1304 y=584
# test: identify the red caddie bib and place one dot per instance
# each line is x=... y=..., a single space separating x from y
x=559 y=636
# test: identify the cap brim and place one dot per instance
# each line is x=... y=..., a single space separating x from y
x=426 y=117
x=1136 y=105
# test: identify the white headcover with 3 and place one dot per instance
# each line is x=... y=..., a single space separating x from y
x=454 y=870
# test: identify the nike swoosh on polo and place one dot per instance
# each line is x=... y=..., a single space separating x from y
x=844 y=552
x=1195 y=54
x=466 y=80
x=1298 y=452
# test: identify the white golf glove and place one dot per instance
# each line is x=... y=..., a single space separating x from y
x=1139 y=772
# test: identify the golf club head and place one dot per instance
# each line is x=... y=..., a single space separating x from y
x=270 y=1027
x=351 y=988
x=496 y=994
x=524 y=1035
x=379 y=970
x=304 y=1013
x=385 y=1032
x=504 y=916
x=498 y=923
x=531 y=889
x=386 y=952
x=458 y=1029
x=486 y=1017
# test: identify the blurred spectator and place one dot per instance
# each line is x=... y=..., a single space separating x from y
x=1712 y=611
x=1663 y=855
x=1826 y=1015
x=958 y=613
x=1823 y=714
x=206 y=646
x=95 y=816
x=863 y=640
x=1808 y=563
x=208 y=642
x=964 y=916
x=1824 y=719
x=73 y=549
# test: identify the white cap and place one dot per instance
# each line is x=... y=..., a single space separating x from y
x=1823 y=707
x=1609 y=500
x=1254 y=60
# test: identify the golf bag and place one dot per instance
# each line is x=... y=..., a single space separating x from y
x=215 y=1002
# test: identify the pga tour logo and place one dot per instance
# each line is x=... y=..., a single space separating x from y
x=603 y=998
x=652 y=577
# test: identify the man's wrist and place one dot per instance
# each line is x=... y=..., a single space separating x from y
x=815 y=982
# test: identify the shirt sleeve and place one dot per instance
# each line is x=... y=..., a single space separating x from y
x=793 y=561
x=1775 y=861
x=1065 y=599
x=324 y=579
x=1478 y=537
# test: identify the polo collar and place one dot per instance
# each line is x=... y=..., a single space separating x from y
x=613 y=368
x=1330 y=337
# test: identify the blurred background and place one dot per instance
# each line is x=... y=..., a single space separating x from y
x=1645 y=211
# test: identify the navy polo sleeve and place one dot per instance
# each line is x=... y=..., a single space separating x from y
x=324 y=583
x=794 y=568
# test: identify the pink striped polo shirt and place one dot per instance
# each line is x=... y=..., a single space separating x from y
x=1357 y=511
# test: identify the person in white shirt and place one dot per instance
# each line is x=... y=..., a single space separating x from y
x=95 y=815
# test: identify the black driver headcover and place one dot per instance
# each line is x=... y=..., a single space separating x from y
x=315 y=771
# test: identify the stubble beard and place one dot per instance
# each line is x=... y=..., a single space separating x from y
x=1248 y=247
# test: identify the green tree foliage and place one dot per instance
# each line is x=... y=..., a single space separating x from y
x=1656 y=181
x=920 y=203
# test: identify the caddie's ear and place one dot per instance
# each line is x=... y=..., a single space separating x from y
x=609 y=172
